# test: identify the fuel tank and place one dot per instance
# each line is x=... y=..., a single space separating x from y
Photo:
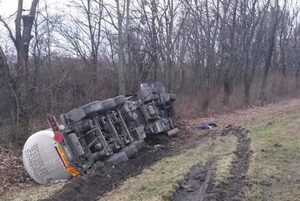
x=41 y=159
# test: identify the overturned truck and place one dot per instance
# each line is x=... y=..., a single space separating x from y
x=112 y=130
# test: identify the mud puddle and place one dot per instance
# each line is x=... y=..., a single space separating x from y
x=199 y=183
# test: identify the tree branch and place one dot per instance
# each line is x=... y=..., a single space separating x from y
x=9 y=30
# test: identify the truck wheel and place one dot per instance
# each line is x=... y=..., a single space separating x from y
x=159 y=87
x=99 y=165
x=130 y=150
x=118 y=158
x=172 y=97
x=120 y=100
x=108 y=104
x=92 y=108
x=139 y=144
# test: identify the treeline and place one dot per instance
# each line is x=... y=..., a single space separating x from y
x=210 y=52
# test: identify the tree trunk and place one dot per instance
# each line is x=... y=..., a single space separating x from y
x=269 y=53
x=228 y=85
x=5 y=92
x=298 y=77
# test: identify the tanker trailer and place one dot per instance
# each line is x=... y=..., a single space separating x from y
x=108 y=131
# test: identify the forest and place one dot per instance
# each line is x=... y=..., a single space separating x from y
x=216 y=55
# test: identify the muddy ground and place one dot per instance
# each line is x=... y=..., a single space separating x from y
x=201 y=179
x=199 y=183
x=92 y=187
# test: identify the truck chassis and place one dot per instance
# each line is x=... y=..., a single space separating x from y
x=112 y=130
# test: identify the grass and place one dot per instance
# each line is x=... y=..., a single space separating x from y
x=159 y=181
x=274 y=172
x=31 y=193
x=223 y=168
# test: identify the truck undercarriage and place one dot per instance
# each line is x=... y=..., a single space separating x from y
x=112 y=130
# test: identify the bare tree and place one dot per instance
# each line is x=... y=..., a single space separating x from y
x=22 y=36
x=21 y=40
x=84 y=34
x=5 y=85
x=118 y=13
x=253 y=30
x=275 y=17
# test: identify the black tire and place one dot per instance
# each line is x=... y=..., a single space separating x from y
x=147 y=99
x=120 y=100
x=139 y=144
x=92 y=108
x=108 y=104
x=130 y=150
x=155 y=90
x=118 y=158
x=155 y=96
x=159 y=87
x=99 y=165
x=172 y=97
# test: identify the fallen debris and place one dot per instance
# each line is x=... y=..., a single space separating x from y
x=12 y=172
x=206 y=126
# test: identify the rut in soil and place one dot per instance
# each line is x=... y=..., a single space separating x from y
x=232 y=189
x=199 y=183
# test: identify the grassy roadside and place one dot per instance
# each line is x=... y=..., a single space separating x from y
x=160 y=181
x=274 y=172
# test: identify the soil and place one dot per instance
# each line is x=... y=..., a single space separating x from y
x=17 y=179
x=12 y=172
x=92 y=187
x=233 y=188
x=199 y=183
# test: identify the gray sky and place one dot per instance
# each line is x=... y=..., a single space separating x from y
x=8 y=7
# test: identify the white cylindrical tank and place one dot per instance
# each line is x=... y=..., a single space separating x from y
x=41 y=159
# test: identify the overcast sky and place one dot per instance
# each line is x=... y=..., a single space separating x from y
x=8 y=7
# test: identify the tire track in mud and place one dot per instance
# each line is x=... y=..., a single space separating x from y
x=232 y=190
x=199 y=183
